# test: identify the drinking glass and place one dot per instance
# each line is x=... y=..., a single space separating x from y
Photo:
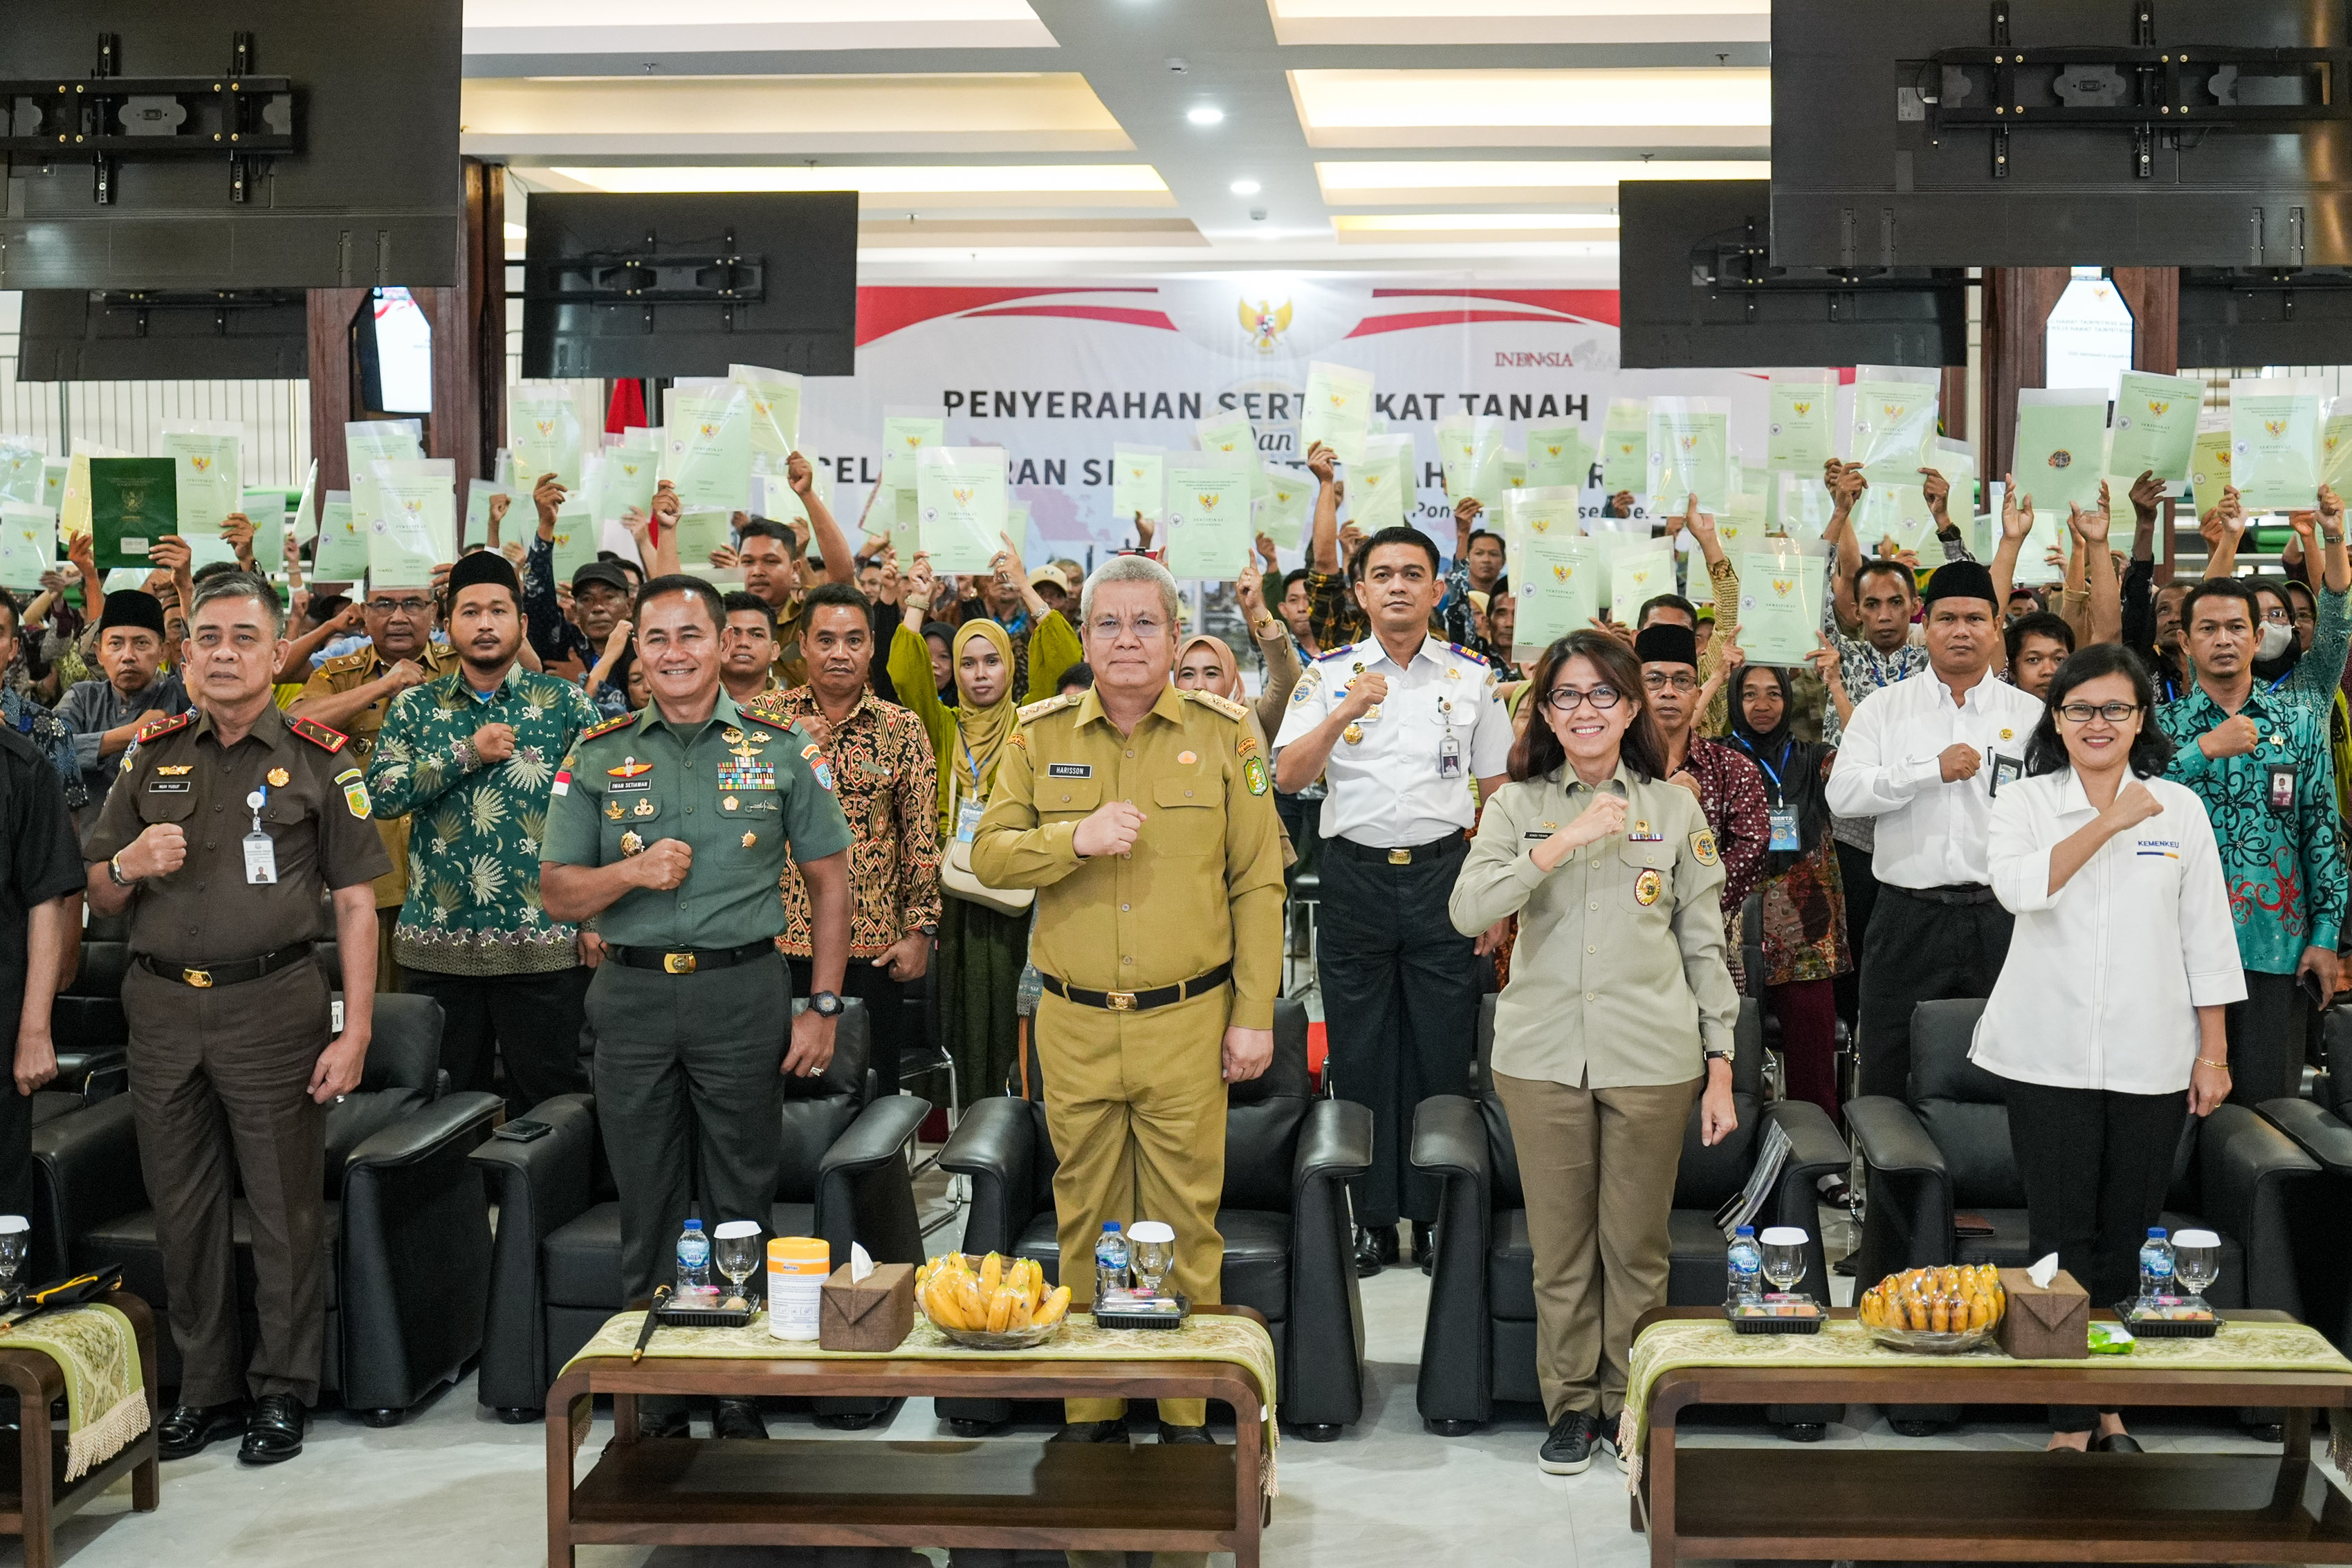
x=1784 y=1255
x=735 y=1247
x=16 y=1234
x=1151 y=1252
x=2195 y=1261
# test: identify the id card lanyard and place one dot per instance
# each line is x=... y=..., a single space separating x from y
x=260 y=853
x=1449 y=749
x=969 y=811
x=1783 y=819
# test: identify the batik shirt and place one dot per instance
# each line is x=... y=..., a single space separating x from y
x=50 y=737
x=2284 y=867
x=555 y=639
x=475 y=828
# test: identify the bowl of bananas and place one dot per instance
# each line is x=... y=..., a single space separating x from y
x=991 y=1303
x=1940 y=1311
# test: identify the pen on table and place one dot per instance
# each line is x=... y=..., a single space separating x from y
x=653 y=1321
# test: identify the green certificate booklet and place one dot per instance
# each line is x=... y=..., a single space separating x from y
x=207 y=465
x=1377 y=493
x=1557 y=455
x=20 y=473
x=1690 y=447
x=575 y=538
x=1741 y=521
x=700 y=532
x=28 y=545
x=2275 y=443
x=626 y=483
x=543 y=432
x=1558 y=579
x=1138 y=482
x=1626 y=447
x=1470 y=452
x=904 y=433
x=1899 y=512
x=1228 y=435
x=2156 y=425
x=415 y=521
x=133 y=502
x=1638 y=571
x=708 y=450
x=1208 y=520
x=775 y=414
x=2209 y=468
x=1895 y=411
x=1339 y=410
x=2335 y=446
x=343 y=552
x=962 y=505
x=1781 y=602
x=2060 y=448
x=1797 y=429
x=1281 y=506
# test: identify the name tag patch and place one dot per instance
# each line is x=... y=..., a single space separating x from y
x=169 y=786
x=1069 y=770
x=623 y=786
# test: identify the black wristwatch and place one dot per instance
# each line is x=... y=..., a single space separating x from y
x=826 y=1005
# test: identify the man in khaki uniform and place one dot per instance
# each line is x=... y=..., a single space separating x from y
x=1130 y=792
x=352 y=694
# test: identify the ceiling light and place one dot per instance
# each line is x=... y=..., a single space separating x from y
x=871 y=179
x=1204 y=114
x=1450 y=223
x=1418 y=183
x=1245 y=187
x=1618 y=97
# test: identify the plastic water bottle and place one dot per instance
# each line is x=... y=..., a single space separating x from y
x=2156 y=1263
x=1744 y=1265
x=1110 y=1260
x=693 y=1261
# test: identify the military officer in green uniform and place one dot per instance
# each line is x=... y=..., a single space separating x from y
x=1144 y=818
x=667 y=830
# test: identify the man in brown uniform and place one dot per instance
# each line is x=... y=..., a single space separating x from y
x=1128 y=792
x=223 y=834
x=353 y=693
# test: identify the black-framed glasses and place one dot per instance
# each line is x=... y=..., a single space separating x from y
x=2084 y=712
x=404 y=606
x=1659 y=681
x=1564 y=699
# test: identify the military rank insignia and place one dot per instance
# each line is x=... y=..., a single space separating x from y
x=1254 y=774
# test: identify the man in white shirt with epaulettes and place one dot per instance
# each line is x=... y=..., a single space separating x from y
x=1924 y=757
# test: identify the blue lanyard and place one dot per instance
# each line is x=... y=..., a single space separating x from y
x=1780 y=794
x=2277 y=684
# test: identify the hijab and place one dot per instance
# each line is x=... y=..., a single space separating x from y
x=981 y=731
x=1229 y=683
x=1801 y=788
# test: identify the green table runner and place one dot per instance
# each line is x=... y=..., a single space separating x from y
x=1214 y=1337
x=106 y=1399
x=1707 y=1341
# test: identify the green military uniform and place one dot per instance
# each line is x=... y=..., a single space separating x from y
x=693 y=1011
x=1135 y=1094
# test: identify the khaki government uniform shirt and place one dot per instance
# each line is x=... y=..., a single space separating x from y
x=316 y=815
x=1204 y=883
x=339 y=676
x=1619 y=979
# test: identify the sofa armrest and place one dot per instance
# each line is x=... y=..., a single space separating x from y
x=79 y=1071
x=2246 y=1165
x=1335 y=1145
x=879 y=1134
x=1815 y=1150
x=2316 y=1130
x=538 y=1187
x=866 y=1194
x=1449 y=1138
x=423 y=1132
x=88 y=1172
x=995 y=1144
x=1890 y=1138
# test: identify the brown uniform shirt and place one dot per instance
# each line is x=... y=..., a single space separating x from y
x=342 y=675
x=206 y=912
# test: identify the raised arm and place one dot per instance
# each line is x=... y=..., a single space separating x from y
x=2106 y=613
x=1323 y=548
x=1846 y=485
x=832 y=543
x=2016 y=523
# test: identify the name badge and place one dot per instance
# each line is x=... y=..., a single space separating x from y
x=968 y=816
x=260 y=860
x=169 y=787
x=1784 y=829
x=624 y=786
x=2005 y=770
x=2282 y=778
x=1449 y=757
x=1069 y=770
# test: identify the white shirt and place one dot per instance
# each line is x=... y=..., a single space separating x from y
x=2103 y=977
x=1890 y=767
x=1389 y=790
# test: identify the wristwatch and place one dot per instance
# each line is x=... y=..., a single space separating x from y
x=826 y=1005
x=1718 y=1055
x=114 y=872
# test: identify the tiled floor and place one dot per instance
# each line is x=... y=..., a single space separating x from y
x=453 y=1487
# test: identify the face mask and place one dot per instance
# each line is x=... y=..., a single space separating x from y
x=2276 y=641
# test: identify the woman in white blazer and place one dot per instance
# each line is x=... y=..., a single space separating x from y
x=2106 y=1022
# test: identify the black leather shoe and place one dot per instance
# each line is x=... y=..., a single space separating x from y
x=1091 y=1432
x=274 y=1434
x=668 y=1424
x=738 y=1418
x=2118 y=1443
x=1424 y=1247
x=1376 y=1249
x=1568 y=1449
x=186 y=1430
x=1185 y=1435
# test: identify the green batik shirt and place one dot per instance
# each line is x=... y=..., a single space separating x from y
x=747 y=795
x=475 y=828
x=2280 y=855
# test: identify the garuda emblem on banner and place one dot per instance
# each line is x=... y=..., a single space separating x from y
x=1266 y=323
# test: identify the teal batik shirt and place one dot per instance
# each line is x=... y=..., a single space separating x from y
x=2282 y=862
x=475 y=828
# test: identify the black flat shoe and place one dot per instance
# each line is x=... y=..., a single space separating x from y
x=738 y=1418
x=188 y=1429
x=2118 y=1443
x=1424 y=1247
x=1376 y=1249
x=1091 y=1432
x=1185 y=1435
x=668 y=1424
x=274 y=1434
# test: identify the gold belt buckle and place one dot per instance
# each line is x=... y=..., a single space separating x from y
x=1119 y=1001
x=1400 y=857
x=202 y=979
x=678 y=963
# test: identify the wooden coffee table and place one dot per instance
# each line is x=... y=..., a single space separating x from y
x=33 y=1498
x=1002 y=1493
x=1908 y=1504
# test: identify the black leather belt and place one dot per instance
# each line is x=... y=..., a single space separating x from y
x=690 y=960
x=1406 y=856
x=1140 y=1001
x=1959 y=892
x=204 y=976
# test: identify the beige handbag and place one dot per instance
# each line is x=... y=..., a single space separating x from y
x=956 y=875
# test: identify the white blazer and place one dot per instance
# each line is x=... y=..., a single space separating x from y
x=2104 y=978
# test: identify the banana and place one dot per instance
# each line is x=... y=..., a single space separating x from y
x=991 y=1273
x=999 y=1311
x=1055 y=1306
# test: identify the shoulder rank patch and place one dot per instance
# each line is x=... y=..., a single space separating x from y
x=609 y=726
x=1703 y=847
x=341 y=661
x=328 y=740
x=768 y=707
x=1215 y=704
x=1478 y=659
x=1039 y=709
x=1337 y=654
x=166 y=726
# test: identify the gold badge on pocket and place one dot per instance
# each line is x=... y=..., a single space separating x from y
x=1647 y=887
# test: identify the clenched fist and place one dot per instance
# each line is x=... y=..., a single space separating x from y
x=1960 y=762
x=493 y=742
x=2135 y=805
x=1109 y=830
x=1364 y=695
x=2234 y=737
x=160 y=850
x=664 y=865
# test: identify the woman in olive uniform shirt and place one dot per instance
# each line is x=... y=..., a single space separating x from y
x=1618 y=989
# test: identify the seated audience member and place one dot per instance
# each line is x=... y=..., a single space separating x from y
x=2107 y=1025
x=1076 y=678
x=2037 y=644
x=105 y=713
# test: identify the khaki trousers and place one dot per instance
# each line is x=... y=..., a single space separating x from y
x=1136 y=1105
x=1597 y=1167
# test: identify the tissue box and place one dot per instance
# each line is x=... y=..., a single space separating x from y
x=873 y=1314
x=2041 y=1322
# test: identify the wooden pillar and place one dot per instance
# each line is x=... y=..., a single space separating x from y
x=2154 y=295
x=333 y=375
x=2017 y=304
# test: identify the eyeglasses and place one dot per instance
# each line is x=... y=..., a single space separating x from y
x=1663 y=681
x=2278 y=617
x=2082 y=713
x=1109 y=628
x=1563 y=699
x=404 y=606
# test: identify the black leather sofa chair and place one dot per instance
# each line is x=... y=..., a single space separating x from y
x=555 y=1276
x=407 y=1235
x=1479 y=1343
x=1947 y=1149
x=2320 y=1123
x=1283 y=1214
